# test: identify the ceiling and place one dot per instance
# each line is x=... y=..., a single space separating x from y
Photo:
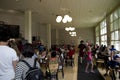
x=85 y=13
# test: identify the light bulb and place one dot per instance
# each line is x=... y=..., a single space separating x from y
x=67 y=29
x=66 y=17
x=72 y=29
x=58 y=19
x=70 y=32
x=64 y=20
x=69 y=19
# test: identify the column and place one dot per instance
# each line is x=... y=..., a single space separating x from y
x=48 y=36
x=108 y=31
x=28 y=26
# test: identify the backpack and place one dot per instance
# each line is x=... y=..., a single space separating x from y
x=34 y=73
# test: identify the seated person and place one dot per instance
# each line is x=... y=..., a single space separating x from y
x=70 y=56
x=43 y=56
x=71 y=53
x=114 y=62
x=117 y=56
x=53 y=63
x=115 y=59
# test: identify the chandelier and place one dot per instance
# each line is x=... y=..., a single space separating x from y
x=64 y=19
x=72 y=33
x=70 y=28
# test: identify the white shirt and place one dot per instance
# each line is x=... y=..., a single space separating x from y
x=118 y=54
x=7 y=55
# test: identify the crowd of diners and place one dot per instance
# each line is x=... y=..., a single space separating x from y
x=60 y=55
x=14 y=50
x=108 y=54
x=51 y=59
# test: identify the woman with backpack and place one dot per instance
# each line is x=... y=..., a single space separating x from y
x=22 y=68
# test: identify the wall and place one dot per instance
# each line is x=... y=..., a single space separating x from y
x=39 y=30
x=18 y=19
x=13 y=19
x=86 y=34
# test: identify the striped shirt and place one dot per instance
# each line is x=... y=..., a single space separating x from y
x=22 y=68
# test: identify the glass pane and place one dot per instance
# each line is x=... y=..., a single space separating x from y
x=116 y=36
x=119 y=12
x=115 y=15
x=119 y=35
x=105 y=29
x=97 y=39
x=111 y=27
x=112 y=36
x=112 y=42
x=101 y=32
x=102 y=43
x=111 y=18
x=105 y=22
x=116 y=24
x=102 y=38
x=105 y=43
x=101 y=25
x=97 y=33
x=119 y=24
x=117 y=45
x=105 y=38
x=97 y=43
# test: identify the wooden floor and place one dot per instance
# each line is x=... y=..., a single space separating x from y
x=71 y=72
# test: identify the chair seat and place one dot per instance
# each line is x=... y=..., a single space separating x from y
x=100 y=61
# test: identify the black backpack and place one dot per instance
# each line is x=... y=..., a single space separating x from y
x=34 y=73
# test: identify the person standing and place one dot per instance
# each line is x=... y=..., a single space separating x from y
x=89 y=59
x=81 y=48
x=8 y=56
x=22 y=68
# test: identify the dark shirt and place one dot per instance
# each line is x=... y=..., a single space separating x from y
x=81 y=48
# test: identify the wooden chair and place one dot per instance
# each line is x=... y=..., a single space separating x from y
x=99 y=61
x=53 y=69
x=69 y=61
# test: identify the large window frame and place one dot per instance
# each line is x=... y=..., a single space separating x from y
x=97 y=35
x=115 y=28
x=103 y=32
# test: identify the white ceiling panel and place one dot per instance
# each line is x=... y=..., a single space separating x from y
x=85 y=13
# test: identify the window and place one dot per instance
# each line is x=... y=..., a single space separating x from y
x=103 y=32
x=97 y=35
x=115 y=29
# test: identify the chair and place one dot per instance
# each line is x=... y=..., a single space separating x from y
x=113 y=72
x=69 y=61
x=52 y=69
x=61 y=65
x=99 y=61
